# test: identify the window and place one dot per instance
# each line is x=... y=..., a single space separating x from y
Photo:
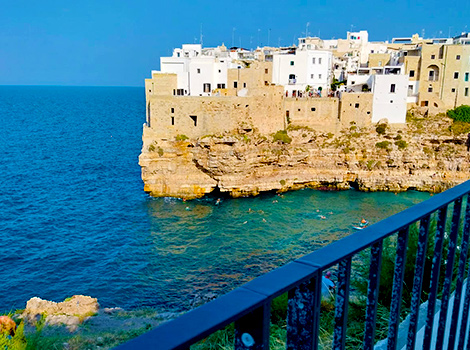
x=424 y=103
x=313 y=109
x=466 y=92
x=457 y=57
x=220 y=71
x=319 y=60
x=430 y=89
x=235 y=84
x=244 y=85
x=198 y=70
x=172 y=120
x=391 y=101
x=266 y=71
x=431 y=75
x=298 y=110
x=319 y=76
x=453 y=89
x=412 y=73
x=291 y=63
x=179 y=92
x=194 y=118
x=433 y=57
x=456 y=75
x=311 y=76
x=287 y=114
x=380 y=63
x=356 y=105
x=392 y=88
x=172 y=110
x=206 y=87
x=466 y=76
x=313 y=60
x=220 y=86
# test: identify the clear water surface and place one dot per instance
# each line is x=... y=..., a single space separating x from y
x=74 y=218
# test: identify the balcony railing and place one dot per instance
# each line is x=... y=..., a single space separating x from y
x=249 y=306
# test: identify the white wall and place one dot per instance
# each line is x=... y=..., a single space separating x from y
x=306 y=72
x=387 y=104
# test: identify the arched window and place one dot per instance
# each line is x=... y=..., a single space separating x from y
x=433 y=73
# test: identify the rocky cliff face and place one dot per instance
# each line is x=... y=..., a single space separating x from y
x=423 y=155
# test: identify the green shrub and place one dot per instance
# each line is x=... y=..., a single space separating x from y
x=160 y=151
x=383 y=144
x=458 y=127
x=282 y=136
x=181 y=137
x=398 y=137
x=381 y=129
x=401 y=144
x=151 y=148
x=460 y=114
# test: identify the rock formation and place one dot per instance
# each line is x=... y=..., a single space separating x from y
x=70 y=312
x=7 y=325
x=424 y=155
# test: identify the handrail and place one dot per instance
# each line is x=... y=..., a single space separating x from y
x=248 y=306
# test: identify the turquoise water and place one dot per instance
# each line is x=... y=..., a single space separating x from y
x=75 y=220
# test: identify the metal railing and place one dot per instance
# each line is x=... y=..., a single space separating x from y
x=249 y=306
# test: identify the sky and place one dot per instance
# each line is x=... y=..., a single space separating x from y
x=118 y=43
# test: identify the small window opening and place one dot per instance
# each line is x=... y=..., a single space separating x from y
x=356 y=105
x=313 y=109
x=172 y=110
x=194 y=118
x=172 y=120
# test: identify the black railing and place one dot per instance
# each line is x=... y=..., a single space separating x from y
x=249 y=306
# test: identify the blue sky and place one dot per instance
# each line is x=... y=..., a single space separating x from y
x=117 y=42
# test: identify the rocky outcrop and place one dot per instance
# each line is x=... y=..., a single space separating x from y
x=70 y=312
x=243 y=164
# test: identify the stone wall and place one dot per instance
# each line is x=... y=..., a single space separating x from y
x=357 y=108
x=321 y=114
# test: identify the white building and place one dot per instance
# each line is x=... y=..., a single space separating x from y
x=390 y=92
x=199 y=71
x=390 y=97
x=296 y=69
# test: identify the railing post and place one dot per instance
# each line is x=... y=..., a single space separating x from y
x=435 y=271
x=460 y=278
x=342 y=301
x=252 y=330
x=303 y=317
x=418 y=281
x=397 y=289
x=449 y=272
x=373 y=294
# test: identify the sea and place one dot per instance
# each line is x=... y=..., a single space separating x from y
x=74 y=218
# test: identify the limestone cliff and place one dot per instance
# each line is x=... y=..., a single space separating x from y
x=424 y=156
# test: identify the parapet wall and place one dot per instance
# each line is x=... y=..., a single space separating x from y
x=262 y=108
x=320 y=114
x=196 y=116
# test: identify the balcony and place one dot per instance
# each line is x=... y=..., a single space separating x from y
x=437 y=232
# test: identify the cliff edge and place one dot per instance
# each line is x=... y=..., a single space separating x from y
x=425 y=155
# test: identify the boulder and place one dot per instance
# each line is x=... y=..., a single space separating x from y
x=7 y=325
x=70 y=312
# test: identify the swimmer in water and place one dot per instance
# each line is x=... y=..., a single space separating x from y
x=217 y=202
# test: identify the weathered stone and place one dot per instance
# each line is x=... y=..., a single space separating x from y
x=7 y=325
x=367 y=161
x=70 y=312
